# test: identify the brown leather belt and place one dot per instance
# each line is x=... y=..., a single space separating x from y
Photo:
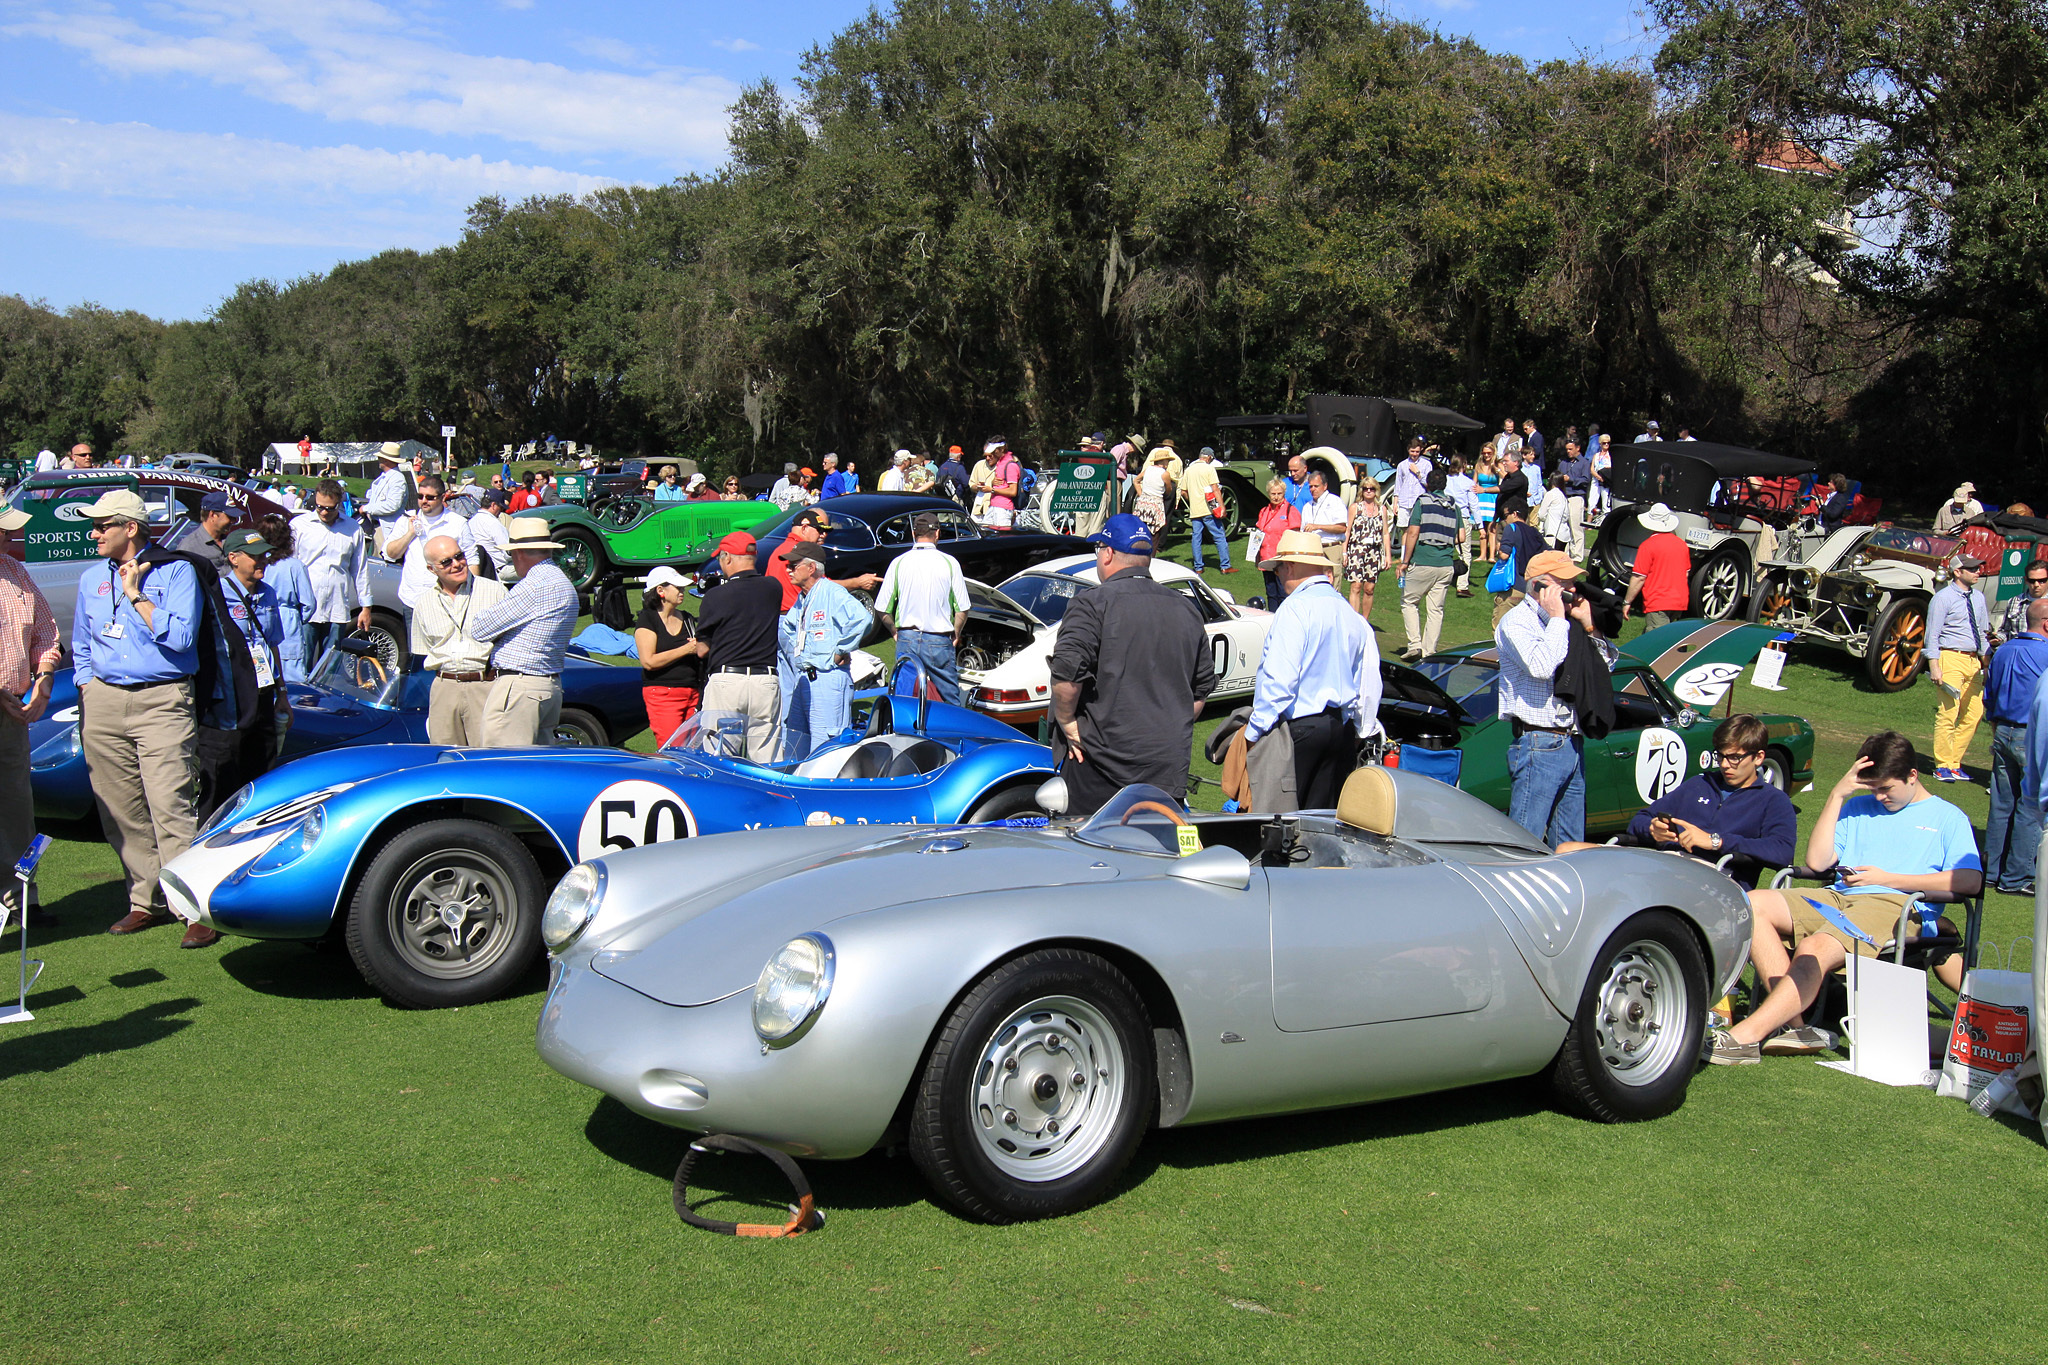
x=1522 y=727
x=487 y=675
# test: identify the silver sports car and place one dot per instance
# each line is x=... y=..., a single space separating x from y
x=1018 y=1005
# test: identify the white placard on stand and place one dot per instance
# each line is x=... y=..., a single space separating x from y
x=1770 y=664
x=24 y=873
x=1887 y=1024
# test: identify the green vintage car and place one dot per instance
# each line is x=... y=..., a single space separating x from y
x=1665 y=683
x=634 y=534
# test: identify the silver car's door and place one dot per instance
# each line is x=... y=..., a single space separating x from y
x=1368 y=945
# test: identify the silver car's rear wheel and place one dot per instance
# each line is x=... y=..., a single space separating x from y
x=1635 y=1038
x=1047 y=1089
x=1037 y=1090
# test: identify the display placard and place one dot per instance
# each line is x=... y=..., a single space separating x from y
x=2012 y=573
x=58 y=528
x=1084 y=482
x=572 y=487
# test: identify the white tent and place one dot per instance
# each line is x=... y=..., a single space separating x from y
x=357 y=459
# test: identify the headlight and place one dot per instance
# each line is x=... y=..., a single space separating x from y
x=57 y=750
x=572 y=906
x=295 y=844
x=229 y=810
x=792 y=989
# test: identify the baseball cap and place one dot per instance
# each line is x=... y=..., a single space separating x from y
x=1552 y=564
x=117 y=504
x=737 y=543
x=804 y=549
x=954 y=450
x=1965 y=560
x=13 y=519
x=808 y=472
x=813 y=517
x=1125 y=534
x=247 y=543
x=216 y=502
x=659 y=575
x=924 y=524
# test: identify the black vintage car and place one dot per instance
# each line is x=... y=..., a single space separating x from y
x=1733 y=505
x=870 y=529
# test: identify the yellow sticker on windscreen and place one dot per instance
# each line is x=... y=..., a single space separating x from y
x=1190 y=839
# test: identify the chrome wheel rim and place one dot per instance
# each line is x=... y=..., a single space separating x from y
x=577 y=560
x=569 y=736
x=453 y=914
x=1047 y=1089
x=1639 y=1014
x=1719 y=588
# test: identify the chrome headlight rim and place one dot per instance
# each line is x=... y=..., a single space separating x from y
x=555 y=931
x=823 y=975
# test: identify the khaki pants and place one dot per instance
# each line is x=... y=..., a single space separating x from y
x=140 y=750
x=455 y=712
x=1431 y=581
x=17 y=806
x=1575 y=513
x=520 y=712
x=1503 y=602
x=758 y=697
x=1955 y=720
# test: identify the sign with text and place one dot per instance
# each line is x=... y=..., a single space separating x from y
x=572 y=487
x=1085 y=480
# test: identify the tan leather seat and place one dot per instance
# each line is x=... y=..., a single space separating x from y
x=1367 y=801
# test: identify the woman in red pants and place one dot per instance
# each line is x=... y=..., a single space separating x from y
x=671 y=660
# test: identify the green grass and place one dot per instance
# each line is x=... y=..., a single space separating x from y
x=242 y=1153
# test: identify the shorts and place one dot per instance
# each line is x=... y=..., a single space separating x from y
x=1876 y=913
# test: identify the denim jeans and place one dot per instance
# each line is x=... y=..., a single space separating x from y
x=1549 y=794
x=941 y=665
x=1273 y=593
x=2013 y=834
x=1214 y=528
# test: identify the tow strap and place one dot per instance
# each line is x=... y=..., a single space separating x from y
x=805 y=1216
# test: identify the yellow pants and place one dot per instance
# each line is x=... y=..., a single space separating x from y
x=1955 y=719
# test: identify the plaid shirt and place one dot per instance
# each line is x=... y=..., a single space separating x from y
x=530 y=629
x=28 y=628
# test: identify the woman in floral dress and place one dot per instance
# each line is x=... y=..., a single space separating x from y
x=1368 y=546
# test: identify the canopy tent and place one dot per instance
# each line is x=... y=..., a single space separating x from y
x=357 y=459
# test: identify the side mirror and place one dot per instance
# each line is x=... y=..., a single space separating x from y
x=1687 y=718
x=1218 y=865
x=1052 y=796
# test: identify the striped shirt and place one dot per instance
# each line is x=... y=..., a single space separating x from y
x=28 y=628
x=923 y=590
x=529 y=631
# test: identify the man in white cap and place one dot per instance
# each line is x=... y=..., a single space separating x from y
x=1319 y=673
x=1958 y=647
x=529 y=635
x=385 y=497
x=29 y=655
x=892 y=477
x=1662 y=573
x=1960 y=507
x=134 y=651
x=459 y=661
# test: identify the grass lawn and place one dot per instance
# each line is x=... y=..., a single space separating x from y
x=242 y=1153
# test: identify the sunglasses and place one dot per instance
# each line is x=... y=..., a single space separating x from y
x=447 y=563
x=327 y=509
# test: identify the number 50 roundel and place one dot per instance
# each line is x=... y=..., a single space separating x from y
x=629 y=814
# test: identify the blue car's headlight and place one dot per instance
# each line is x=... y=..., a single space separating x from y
x=296 y=844
x=792 y=989
x=229 y=810
x=57 y=750
x=265 y=822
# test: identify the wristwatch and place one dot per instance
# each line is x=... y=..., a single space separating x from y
x=1717 y=843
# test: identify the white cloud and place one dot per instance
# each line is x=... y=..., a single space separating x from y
x=150 y=186
x=742 y=45
x=609 y=50
x=356 y=60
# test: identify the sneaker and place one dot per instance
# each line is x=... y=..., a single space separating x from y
x=1958 y=775
x=1798 y=1042
x=1727 y=1052
x=1944 y=774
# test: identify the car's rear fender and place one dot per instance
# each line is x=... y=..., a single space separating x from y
x=975 y=776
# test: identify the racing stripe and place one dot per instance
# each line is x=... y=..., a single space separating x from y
x=1669 y=662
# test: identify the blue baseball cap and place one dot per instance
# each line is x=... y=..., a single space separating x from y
x=216 y=502
x=1125 y=534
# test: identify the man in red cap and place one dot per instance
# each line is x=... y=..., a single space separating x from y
x=736 y=634
x=809 y=529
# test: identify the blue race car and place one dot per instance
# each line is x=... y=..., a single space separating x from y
x=353 y=698
x=434 y=864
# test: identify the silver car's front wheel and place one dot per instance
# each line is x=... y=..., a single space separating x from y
x=1038 y=1089
x=1635 y=1038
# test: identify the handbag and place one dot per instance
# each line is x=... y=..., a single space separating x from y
x=1502 y=577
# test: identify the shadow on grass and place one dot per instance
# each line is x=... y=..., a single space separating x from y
x=59 y=1048
x=86 y=912
x=292 y=969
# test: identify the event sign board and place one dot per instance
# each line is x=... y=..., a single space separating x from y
x=2012 y=573
x=572 y=487
x=58 y=528
x=1084 y=481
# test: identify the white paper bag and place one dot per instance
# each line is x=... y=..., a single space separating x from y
x=1252 y=545
x=1990 y=1036
x=1887 y=1022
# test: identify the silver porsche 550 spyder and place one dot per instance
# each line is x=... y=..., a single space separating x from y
x=1018 y=1005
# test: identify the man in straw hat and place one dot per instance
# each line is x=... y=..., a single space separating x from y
x=1546 y=759
x=385 y=497
x=1662 y=573
x=528 y=633
x=1319 y=673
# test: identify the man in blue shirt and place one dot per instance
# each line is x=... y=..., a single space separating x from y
x=2013 y=833
x=817 y=639
x=1298 y=491
x=1577 y=468
x=1319 y=673
x=1958 y=642
x=134 y=638
x=1877 y=810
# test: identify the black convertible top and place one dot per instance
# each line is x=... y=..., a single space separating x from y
x=1727 y=462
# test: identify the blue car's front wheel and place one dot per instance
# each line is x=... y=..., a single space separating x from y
x=447 y=914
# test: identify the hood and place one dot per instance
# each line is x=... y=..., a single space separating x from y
x=713 y=945
x=1684 y=645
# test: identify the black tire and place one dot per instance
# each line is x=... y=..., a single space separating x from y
x=1718 y=586
x=391 y=930
x=582 y=557
x=581 y=729
x=1891 y=660
x=1777 y=769
x=1003 y=804
x=387 y=631
x=1240 y=504
x=1770 y=600
x=1594 y=1074
x=1001 y=1065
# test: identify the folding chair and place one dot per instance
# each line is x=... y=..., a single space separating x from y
x=1935 y=944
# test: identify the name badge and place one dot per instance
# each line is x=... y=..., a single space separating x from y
x=113 y=630
x=259 y=655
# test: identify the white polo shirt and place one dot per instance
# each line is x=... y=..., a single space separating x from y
x=923 y=589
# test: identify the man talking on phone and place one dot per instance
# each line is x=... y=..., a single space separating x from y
x=1546 y=759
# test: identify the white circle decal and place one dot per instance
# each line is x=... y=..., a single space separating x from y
x=1705 y=685
x=1660 y=762
x=72 y=511
x=630 y=814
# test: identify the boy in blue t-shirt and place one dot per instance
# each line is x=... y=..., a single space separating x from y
x=1878 y=811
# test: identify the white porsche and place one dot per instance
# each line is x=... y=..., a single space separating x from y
x=1010 y=676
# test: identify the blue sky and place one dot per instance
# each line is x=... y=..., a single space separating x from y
x=153 y=155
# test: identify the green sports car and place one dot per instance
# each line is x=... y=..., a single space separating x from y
x=1444 y=712
x=635 y=534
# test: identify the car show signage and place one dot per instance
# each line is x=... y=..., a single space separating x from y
x=573 y=487
x=57 y=525
x=1084 y=482
x=2012 y=573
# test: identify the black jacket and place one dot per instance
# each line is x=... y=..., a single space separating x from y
x=1584 y=681
x=1512 y=493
